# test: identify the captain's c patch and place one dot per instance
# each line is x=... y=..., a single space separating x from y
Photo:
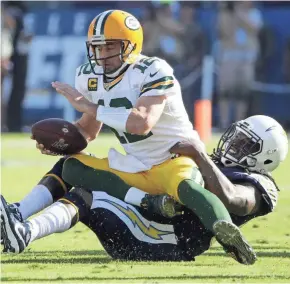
x=92 y=84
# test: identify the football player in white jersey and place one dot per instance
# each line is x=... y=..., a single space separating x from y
x=140 y=100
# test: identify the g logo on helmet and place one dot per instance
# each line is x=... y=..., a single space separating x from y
x=132 y=23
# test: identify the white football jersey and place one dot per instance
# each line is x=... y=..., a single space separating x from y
x=146 y=77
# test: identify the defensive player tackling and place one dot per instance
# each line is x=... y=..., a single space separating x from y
x=140 y=100
x=131 y=233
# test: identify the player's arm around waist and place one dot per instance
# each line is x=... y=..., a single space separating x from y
x=88 y=126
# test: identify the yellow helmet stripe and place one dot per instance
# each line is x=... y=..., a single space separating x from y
x=100 y=23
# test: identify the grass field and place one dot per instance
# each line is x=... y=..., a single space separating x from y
x=77 y=257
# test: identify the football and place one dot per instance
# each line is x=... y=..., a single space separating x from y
x=59 y=136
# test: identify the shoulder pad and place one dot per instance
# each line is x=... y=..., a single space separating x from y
x=270 y=189
x=150 y=65
x=264 y=184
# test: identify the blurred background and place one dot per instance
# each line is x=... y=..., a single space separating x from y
x=234 y=54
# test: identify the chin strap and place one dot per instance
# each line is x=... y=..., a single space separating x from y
x=117 y=72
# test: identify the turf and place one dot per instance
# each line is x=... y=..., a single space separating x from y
x=77 y=257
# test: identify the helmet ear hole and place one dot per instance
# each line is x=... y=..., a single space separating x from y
x=267 y=162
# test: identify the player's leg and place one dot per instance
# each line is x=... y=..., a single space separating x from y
x=49 y=189
x=112 y=220
x=52 y=186
x=183 y=186
x=215 y=217
x=124 y=232
x=95 y=174
x=59 y=217
x=17 y=235
x=181 y=179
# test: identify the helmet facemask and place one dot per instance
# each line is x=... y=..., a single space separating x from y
x=94 y=57
x=238 y=146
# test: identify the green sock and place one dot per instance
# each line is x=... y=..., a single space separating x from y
x=206 y=205
x=77 y=174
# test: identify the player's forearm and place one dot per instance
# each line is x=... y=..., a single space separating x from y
x=88 y=127
x=215 y=180
x=237 y=201
x=145 y=114
x=131 y=121
x=138 y=123
x=88 y=136
x=137 y=120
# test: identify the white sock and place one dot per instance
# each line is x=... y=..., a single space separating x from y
x=55 y=219
x=134 y=196
x=35 y=201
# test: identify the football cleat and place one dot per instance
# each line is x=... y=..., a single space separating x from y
x=163 y=205
x=233 y=242
x=15 y=234
x=14 y=209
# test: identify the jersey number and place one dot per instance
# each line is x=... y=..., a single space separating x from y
x=86 y=69
x=124 y=137
x=146 y=62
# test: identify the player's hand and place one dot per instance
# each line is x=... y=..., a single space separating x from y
x=76 y=99
x=189 y=148
x=44 y=151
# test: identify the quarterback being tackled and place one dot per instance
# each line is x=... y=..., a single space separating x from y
x=240 y=177
x=140 y=100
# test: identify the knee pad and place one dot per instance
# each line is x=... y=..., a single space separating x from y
x=54 y=182
x=82 y=199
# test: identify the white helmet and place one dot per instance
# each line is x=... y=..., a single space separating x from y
x=258 y=143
